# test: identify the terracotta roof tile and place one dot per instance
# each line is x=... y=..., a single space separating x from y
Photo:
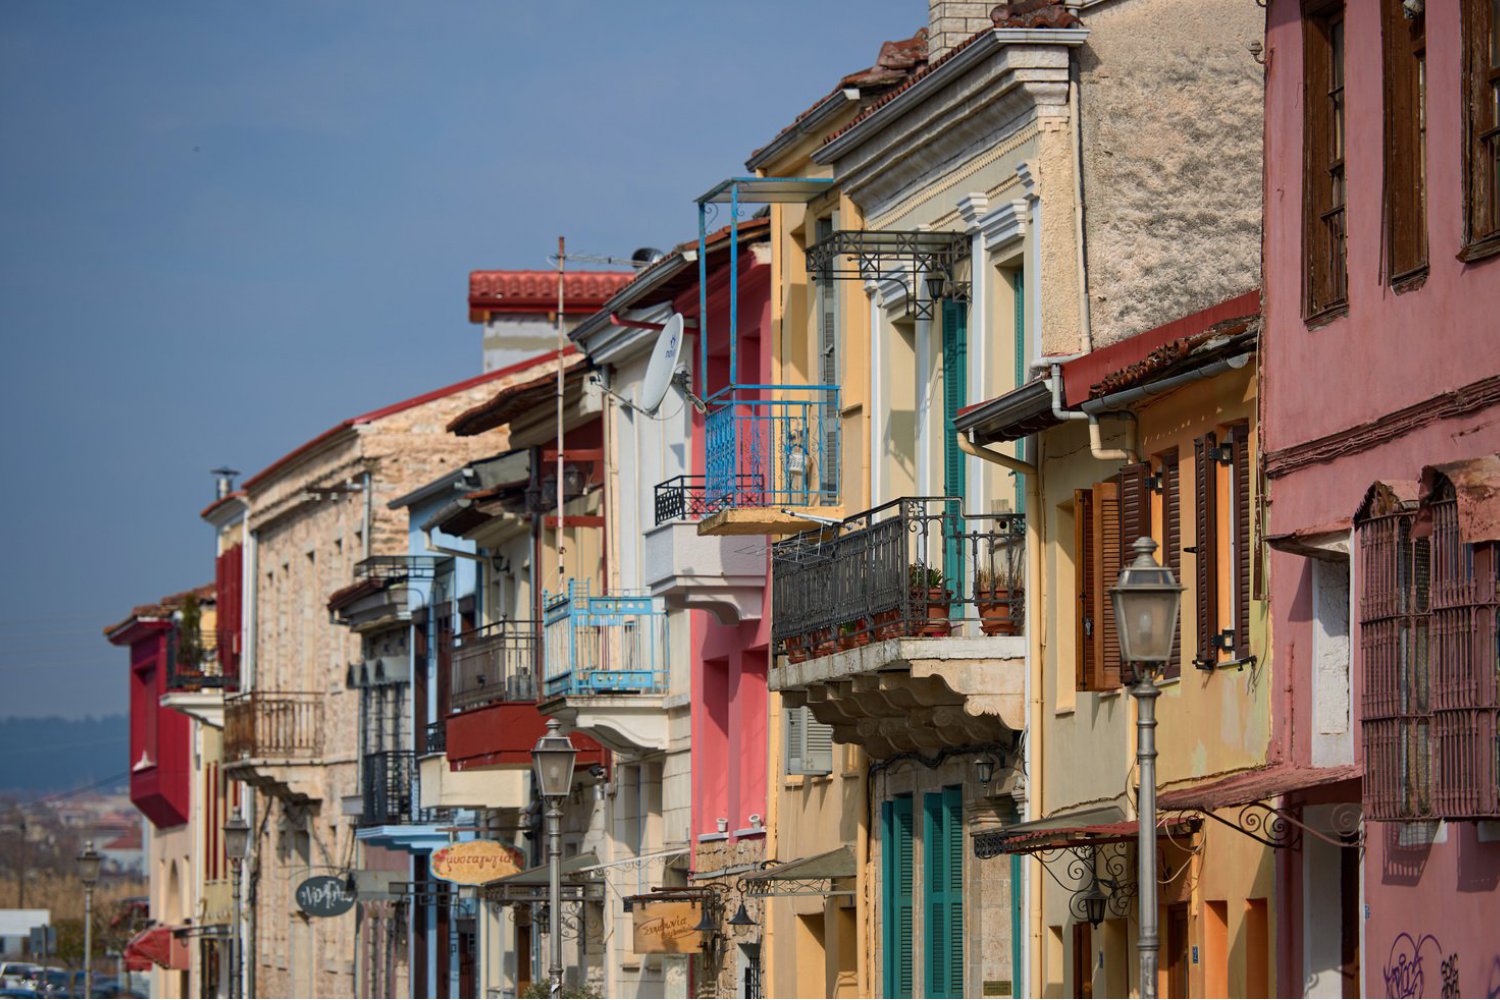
x=536 y=291
x=165 y=607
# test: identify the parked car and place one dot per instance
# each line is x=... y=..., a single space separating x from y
x=15 y=974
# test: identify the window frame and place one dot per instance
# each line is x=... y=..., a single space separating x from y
x=1404 y=80
x=1324 y=181
x=1481 y=97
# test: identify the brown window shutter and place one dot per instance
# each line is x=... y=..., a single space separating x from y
x=1107 y=567
x=1083 y=562
x=1239 y=438
x=1171 y=542
x=1135 y=508
x=1205 y=545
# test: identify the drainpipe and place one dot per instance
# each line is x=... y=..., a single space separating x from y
x=369 y=512
x=968 y=447
x=1093 y=415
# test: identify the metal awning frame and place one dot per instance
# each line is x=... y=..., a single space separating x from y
x=903 y=255
x=1279 y=829
x=737 y=191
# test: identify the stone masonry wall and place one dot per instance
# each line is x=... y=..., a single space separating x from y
x=949 y=22
x=1172 y=125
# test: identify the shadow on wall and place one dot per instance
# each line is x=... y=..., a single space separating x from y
x=1478 y=862
x=1406 y=852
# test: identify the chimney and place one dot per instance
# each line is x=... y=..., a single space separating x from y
x=223 y=481
x=951 y=22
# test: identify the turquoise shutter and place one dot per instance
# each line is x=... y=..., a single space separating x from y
x=896 y=901
x=955 y=397
x=943 y=839
x=1020 y=339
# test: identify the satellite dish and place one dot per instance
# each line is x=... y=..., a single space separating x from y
x=661 y=368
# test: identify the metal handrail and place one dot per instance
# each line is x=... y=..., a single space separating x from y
x=914 y=566
x=495 y=663
x=273 y=724
x=603 y=643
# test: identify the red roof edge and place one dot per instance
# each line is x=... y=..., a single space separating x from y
x=386 y=411
x=1082 y=373
x=236 y=495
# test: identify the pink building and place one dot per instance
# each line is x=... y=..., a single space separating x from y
x=1381 y=411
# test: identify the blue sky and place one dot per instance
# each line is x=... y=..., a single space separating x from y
x=226 y=227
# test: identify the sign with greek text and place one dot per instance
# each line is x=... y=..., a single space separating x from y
x=324 y=896
x=475 y=862
x=666 y=927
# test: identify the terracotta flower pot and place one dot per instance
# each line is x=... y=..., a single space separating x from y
x=824 y=642
x=796 y=650
x=995 y=614
x=888 y=624
x=937 y=613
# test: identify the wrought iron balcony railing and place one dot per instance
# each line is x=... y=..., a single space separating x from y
x=688 y=498
x=273 y=725
x=603 y=644
x=913 y=567
x=436 y=737
x=389 y=787
x=395 y=568
x=197 y=666
x=495 y=663
x=773 y=446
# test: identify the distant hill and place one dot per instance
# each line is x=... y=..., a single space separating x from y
x=54 y=754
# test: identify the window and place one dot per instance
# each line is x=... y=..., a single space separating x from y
x=1097 y=561
x=896 y=844
x=1404 y=46
x=1220 y=533
x=828 y=365
x=943 y=839
x=1481 y=44
x=809 y=743
x=1324 y=223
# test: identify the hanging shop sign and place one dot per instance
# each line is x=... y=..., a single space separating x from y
x=475 y=862
x=667 y=927
x=324 y=896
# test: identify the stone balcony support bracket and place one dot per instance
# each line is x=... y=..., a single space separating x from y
x=914 y=694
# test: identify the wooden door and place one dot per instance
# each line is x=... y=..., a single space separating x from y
x=1083 y=959
x=1175 y=960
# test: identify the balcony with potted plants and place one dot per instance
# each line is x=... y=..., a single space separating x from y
x=903 y=626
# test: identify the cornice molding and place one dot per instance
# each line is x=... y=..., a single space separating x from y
x=1006 y=224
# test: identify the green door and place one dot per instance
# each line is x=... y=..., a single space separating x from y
x=943 y=838
x=896 y=894
x=955 y=398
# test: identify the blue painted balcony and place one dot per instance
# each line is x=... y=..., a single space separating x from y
x=772 y=454
x=605 y=666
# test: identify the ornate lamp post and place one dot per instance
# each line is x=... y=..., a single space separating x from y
x=552 y=762
x=237 y=849
x=1146 y=601
x=88 y=874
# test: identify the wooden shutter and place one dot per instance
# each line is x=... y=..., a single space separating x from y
x=1403 y=45
x=1107 y=567
x=896 y=844
x=955 y=396
x=794 y=741
x=1480 y=183
x=1205 y=545
x=1083 y=586
x=828 y=370
x=1239 y=439
x=817 y=744
x=1171 y=542
x=942 y=837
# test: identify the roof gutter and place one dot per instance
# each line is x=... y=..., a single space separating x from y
x=968 y=447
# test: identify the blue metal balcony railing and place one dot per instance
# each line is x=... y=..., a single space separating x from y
x=603 y=644
x=773 y=446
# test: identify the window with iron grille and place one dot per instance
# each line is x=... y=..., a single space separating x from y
x=1323 y=184
x=1396 y=710
x=1481 y=71
x=1404 y=51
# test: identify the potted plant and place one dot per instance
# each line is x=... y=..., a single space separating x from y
x=928 y=592
x=854 y=634
x=997 y=605
x=796 y=648
x=888 y=624
x=824 y=642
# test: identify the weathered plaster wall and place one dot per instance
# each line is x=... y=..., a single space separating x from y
x=1171 y=119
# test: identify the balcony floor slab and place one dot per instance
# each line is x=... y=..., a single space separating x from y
x=914 y=695
x=623 y=723
x=767 y=520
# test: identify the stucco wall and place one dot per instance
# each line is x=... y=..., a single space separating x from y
x=1171 y=126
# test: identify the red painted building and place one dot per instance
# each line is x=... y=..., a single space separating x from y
x=1381 y=411
x=160 y=737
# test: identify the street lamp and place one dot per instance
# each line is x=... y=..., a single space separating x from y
x=1146 y=601
x=237 y=849
x=552 y=763
x=88 y=874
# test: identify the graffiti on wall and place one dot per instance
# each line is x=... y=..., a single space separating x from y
x=1406 y=975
